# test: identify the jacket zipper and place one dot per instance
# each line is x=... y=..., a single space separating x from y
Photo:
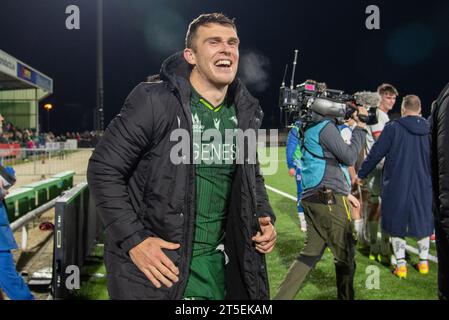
x=184 y=250
x=253 y=213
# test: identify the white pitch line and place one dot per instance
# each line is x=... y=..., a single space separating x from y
x=286 y=195
x=415 y=251
x=289 y=196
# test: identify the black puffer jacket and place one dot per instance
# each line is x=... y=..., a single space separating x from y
x=139 y=192
x=440 y=158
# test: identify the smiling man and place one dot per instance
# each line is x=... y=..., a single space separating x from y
x=379 y=250
x=198 y=229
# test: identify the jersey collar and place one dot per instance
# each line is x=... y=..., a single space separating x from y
x=198 y=99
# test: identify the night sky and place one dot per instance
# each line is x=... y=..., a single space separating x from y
x=411 y=50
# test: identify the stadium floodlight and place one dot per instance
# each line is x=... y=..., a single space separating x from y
x=48 y=107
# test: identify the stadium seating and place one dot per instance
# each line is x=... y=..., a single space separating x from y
x=18 y=202
x=28 y=197
x=67 y=179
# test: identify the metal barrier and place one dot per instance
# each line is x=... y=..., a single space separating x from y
x=45 y=162
x=23 y=221
x=77 y=229
x=27 y=197
x=45 y=190
x=21 y=201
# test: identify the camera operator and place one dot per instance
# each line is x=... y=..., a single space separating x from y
x=326 y=201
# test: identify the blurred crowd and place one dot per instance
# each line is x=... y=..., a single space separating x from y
x=30 y=139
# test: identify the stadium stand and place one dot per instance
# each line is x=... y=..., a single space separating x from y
x=28 y=197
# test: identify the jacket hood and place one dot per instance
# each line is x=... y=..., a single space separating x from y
x=444 y=93
x=415 y=125
x=176 y=71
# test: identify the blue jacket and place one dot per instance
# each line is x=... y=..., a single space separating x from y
x=321 y=165
x=7 y=241
x=293 y=149
x=406 y=178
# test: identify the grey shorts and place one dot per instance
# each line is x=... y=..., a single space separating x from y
x=373 y=183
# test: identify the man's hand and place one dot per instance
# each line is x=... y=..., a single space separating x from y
x=358 y=181
x=292 y=172
x=353 y=201
x=266 y=240
x=152 y=261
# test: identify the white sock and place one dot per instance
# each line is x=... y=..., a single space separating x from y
x=423 y=248
x=302 y=220
x=401 y=262
x=358 y=226
x=399 y=250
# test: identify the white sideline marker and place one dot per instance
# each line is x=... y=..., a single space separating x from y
x=286 y=195
x=407 y=248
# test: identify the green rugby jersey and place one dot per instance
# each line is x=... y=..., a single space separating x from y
x=214 y=153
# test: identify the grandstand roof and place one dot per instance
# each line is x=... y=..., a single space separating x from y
x=16 y=75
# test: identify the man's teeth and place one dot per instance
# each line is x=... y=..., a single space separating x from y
x=225 y=63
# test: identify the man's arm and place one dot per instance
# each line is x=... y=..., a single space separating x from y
x=292 y=142
x=265 y=239
x=352 y=175
x=263 y=203
x=442 y=161
x=345 y=153
x=114 y=160
x=112 y=164
x=380 y=148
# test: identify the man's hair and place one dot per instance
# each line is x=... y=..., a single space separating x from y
x=204 y=19
x=411 y=103
x=387 y=88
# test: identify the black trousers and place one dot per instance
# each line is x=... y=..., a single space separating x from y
x=442 y=244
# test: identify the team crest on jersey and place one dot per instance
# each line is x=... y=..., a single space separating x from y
x=234 y=119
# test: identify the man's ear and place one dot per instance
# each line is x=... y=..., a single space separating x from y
x=189 y=55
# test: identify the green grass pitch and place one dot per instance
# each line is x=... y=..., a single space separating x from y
x=321 y=282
